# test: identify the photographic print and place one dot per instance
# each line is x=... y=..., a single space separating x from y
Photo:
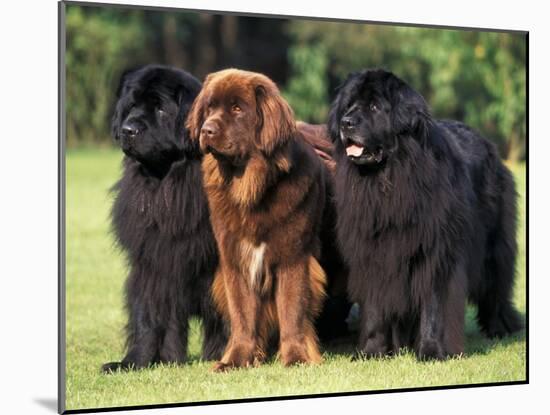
x=272 y=207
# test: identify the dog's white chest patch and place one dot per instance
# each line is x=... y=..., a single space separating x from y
x=257 y=265
x=254 y=258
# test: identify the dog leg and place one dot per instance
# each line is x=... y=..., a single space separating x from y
x=174 y=344
x=214 y=333
x=454 y=314
x=374 y=332
x=142 y=351
x=243 y=349
x=298 y=340
x=143 y=341
x=430 y=336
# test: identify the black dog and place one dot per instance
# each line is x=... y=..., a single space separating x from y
x=160 y=219
x=426 y=219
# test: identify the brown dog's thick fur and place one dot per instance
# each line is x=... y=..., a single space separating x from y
x=266 y=192
x=316 y=135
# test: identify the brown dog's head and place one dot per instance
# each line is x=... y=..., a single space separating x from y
x=238 y=113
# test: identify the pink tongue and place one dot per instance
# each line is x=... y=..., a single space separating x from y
x=354 y=150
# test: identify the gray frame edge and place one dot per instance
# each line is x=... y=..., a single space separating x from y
x=61 y=312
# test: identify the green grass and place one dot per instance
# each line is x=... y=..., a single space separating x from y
x=95 y=320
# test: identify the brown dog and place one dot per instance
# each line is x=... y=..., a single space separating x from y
x=316 y=135
x=266 y=194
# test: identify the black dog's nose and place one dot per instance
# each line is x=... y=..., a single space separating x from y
x=348 y=122
x=129 y=130
x=209 y=129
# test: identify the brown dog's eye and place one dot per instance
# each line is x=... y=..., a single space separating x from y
x=235 y=108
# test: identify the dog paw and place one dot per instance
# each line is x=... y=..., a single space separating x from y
x=430 y=350
x=294 y=355
x=367 y=355
x=113 y=367
x=372 y=349
x=299 y=351
x=221 y=367
x=239 y=356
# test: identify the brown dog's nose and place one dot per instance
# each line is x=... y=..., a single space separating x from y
x=209 y=129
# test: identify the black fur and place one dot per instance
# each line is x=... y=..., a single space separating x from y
x=426 y=219
x=160 y=219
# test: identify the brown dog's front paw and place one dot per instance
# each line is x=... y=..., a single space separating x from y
x=239 y=355
x=294 y=356
x=221 y=367
x=294 y=352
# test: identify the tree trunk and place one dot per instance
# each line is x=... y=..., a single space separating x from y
x=229 y=31
x=516 y=149
x=206 y=56
x=174 y=53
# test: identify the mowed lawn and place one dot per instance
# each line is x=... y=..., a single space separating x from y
x=95 y=321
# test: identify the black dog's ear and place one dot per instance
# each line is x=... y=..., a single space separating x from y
x=185 y=95
x=124 y=79
x=195 y=118
x=410 y=113
x=187 y=90
x=334 y=116
x=116 y=118
x=337 y=108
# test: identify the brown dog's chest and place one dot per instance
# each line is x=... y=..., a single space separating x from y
x=277 y=228
x=254 y=265
x=255 y=242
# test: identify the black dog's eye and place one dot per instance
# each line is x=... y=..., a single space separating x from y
x=161 y=112
x=373 y=107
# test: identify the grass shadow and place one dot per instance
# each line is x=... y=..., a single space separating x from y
x=479 y=344
x=476 y=343
x=342 y=346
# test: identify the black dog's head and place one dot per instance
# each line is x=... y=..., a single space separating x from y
x=373 y=111
x=149 y=118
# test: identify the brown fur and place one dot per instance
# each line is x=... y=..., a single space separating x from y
x=266 y=195
x=316 y=135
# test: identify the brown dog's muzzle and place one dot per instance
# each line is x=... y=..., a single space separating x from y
x=210 y=132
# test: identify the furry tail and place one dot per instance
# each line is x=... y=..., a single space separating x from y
x=318 y=281
x=496 y=313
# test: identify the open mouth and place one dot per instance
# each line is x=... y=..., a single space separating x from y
x=358 y=152
x=354 y=150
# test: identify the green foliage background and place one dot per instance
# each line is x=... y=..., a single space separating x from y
x=477 y=77
x=98 y=46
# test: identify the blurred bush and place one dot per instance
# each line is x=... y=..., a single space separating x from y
x=100 y=46
x=306 y=90
x=477 y=77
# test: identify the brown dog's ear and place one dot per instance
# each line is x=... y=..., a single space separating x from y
x=276 y=118
x=195 y=119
